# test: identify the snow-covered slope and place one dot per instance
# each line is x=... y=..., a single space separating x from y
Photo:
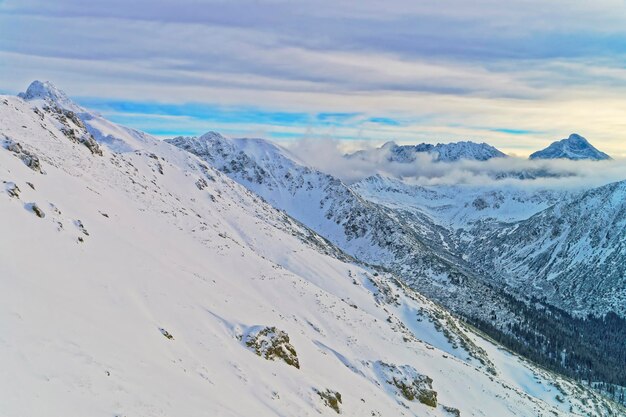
x=441 y=152
x=428 y=247
x=574 y=147
x=407 y=242
x=147 y=283
x=573 y=254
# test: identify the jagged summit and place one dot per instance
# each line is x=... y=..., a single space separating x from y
x=575 y=147
x=38 y=90
x=441 y=152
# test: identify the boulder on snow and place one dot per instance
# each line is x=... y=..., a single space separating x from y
x=36 y=209
x=454 y=412
x=271 y=344
x=331 y=399
x=12 y=189
x=165 y=333
x=407 y=382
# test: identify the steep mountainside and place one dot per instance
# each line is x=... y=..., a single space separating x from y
x=148 y=283
x=574 y=147
x=407 y=242
x=573 y=254
x=426 y=250
x=441 y=152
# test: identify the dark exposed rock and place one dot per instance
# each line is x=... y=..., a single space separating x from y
x=80 y=134
x=81 y=227
x=166 y=334
x=454 y=412
x=201 y=184
x=30 y=159
x=331 y=399
x=271 y=343
x=38 y=211
x=13 y=190
x=409 y=383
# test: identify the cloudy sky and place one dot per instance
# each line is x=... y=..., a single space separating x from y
x=517 y=74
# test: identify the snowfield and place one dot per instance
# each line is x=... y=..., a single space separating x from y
x=147 y=283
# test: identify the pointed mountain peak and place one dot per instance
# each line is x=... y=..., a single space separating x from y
x=43 y=90
x=212 y=135
x=38 y=90
x=389 y=145
x=575 y=147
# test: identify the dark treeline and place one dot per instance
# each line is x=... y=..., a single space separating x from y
x=591 y=349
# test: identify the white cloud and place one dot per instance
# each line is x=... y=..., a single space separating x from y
x=328 y=156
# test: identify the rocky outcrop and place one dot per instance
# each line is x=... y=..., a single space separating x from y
x=272 y=344
x=407 y=382
x=37 y=210
x=29 y=158
x=74 y=128
x=12 y=189
x=331 y=399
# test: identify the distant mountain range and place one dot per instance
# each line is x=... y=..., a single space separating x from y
x=440 y=152
x=574 y=148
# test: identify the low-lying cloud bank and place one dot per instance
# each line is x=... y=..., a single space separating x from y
x=329 y=156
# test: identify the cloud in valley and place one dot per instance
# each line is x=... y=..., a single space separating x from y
x=329 y=156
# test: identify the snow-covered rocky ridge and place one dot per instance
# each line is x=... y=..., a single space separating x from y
x=575 y=147
x=139 y=283
x=441 y=152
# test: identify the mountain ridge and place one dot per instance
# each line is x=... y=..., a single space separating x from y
x=441 y=152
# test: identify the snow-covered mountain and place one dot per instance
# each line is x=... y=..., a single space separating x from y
x=422 y=234
x=544 y=243
x=441 y=152
x=575 y=147
x=425 y=246
x=139 y=280
x=573 y=254
x=407 y=242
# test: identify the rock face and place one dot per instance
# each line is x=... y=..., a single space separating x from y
x=441 y=152
x=271 y=344
x=575 y=147
x=407 y=382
